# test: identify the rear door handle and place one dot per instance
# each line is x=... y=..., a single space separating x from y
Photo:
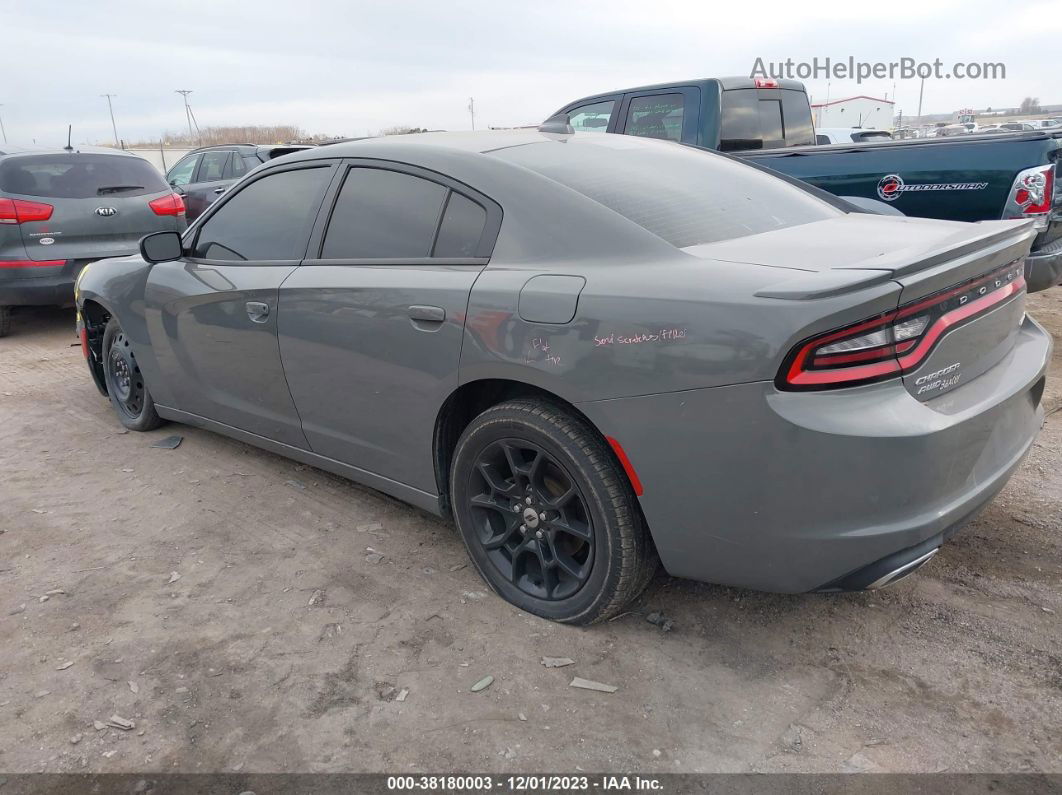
x=428 y=314
x=219 y=190
x=257 y=311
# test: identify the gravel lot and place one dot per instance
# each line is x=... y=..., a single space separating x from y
x=229 y=603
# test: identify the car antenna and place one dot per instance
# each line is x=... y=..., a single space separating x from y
x=559 y=124
x=69 y=132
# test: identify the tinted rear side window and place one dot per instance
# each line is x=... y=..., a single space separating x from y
x=685 y=196
x=461 y=228
x=270 y=219
x=383 y=214
x=80 y=176
x=657 y=116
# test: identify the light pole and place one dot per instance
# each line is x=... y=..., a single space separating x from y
x=921 y=89
x=111 y=109
x=187 y=111
x=2 y=130
x=472 y=111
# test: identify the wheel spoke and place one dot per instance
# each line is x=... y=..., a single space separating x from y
x=549 y=571
x=496 y=485
x=570 y=566
x=562 y=526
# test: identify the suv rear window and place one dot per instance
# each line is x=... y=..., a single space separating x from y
x=685 y=196
x=79 y=176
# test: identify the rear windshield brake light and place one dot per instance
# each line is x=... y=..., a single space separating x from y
x=19 y=211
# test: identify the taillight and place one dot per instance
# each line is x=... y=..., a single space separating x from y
x=19 y=211
x=32 y=263
x=168 y=205
x=764 y=82
x=1032 y=195
x=896 y=342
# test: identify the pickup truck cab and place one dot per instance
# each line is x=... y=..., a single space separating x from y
x=769 y=122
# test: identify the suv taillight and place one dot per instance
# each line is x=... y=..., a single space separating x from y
x=19 y=211
x=1032 y=195
x=895 y=342
x=168 y=205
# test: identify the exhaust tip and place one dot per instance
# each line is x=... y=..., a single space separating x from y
x=900 y=572
x=889 y=569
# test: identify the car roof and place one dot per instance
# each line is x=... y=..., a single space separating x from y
x=252 y=146
x=725 y=83
x=467 y=142
x=10 y=150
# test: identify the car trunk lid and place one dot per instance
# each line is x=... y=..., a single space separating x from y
x=962 y=289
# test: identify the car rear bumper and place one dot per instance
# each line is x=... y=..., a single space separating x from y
x=53 y=286
x=791 y=492
x=1043 y=267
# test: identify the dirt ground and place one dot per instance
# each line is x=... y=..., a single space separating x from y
x=232 y=605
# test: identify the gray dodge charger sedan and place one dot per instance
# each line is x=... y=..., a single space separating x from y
x=594 y=353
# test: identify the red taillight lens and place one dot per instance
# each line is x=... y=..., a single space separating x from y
x=1032 y=193
x=19 y=211
x=168 y=205
x=32 y=263
x=763 y=82
x=897 y=342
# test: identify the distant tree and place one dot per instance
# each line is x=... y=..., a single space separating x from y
x=401 y=130
x=1030 y=105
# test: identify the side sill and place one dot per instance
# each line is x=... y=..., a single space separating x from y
x=420 y=499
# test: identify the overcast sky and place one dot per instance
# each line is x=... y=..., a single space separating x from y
x=351 y=68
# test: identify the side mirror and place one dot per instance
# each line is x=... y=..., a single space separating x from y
x=161 y=247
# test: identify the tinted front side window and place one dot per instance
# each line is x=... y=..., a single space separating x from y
x=461 y=228
x=592 y=118
x=656 y=117
x=270 y=219
x=383 y=214
x=181 y=174
x=682 y=195
x=79 y=176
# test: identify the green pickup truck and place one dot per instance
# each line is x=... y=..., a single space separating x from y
x=769 y=122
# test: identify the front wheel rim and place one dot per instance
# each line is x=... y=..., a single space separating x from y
x=531 y=519
x=124 y=380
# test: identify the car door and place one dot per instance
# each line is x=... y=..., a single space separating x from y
x=208 y=184
x=371 y=323
x=212 y=315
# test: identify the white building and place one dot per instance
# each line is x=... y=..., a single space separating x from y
x=861 y=111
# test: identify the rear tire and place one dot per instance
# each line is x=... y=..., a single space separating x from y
x=125 y=383
x=5 y=321
x=548 y=516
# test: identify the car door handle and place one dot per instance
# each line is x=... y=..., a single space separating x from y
x=427 y=314
x=257 y=311
x=219 y=190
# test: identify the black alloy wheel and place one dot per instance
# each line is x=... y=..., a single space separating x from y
x=531 y=519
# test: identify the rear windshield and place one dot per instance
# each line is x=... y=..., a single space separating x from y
x=79 y=176
x=756 y=119
x=685 y=196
